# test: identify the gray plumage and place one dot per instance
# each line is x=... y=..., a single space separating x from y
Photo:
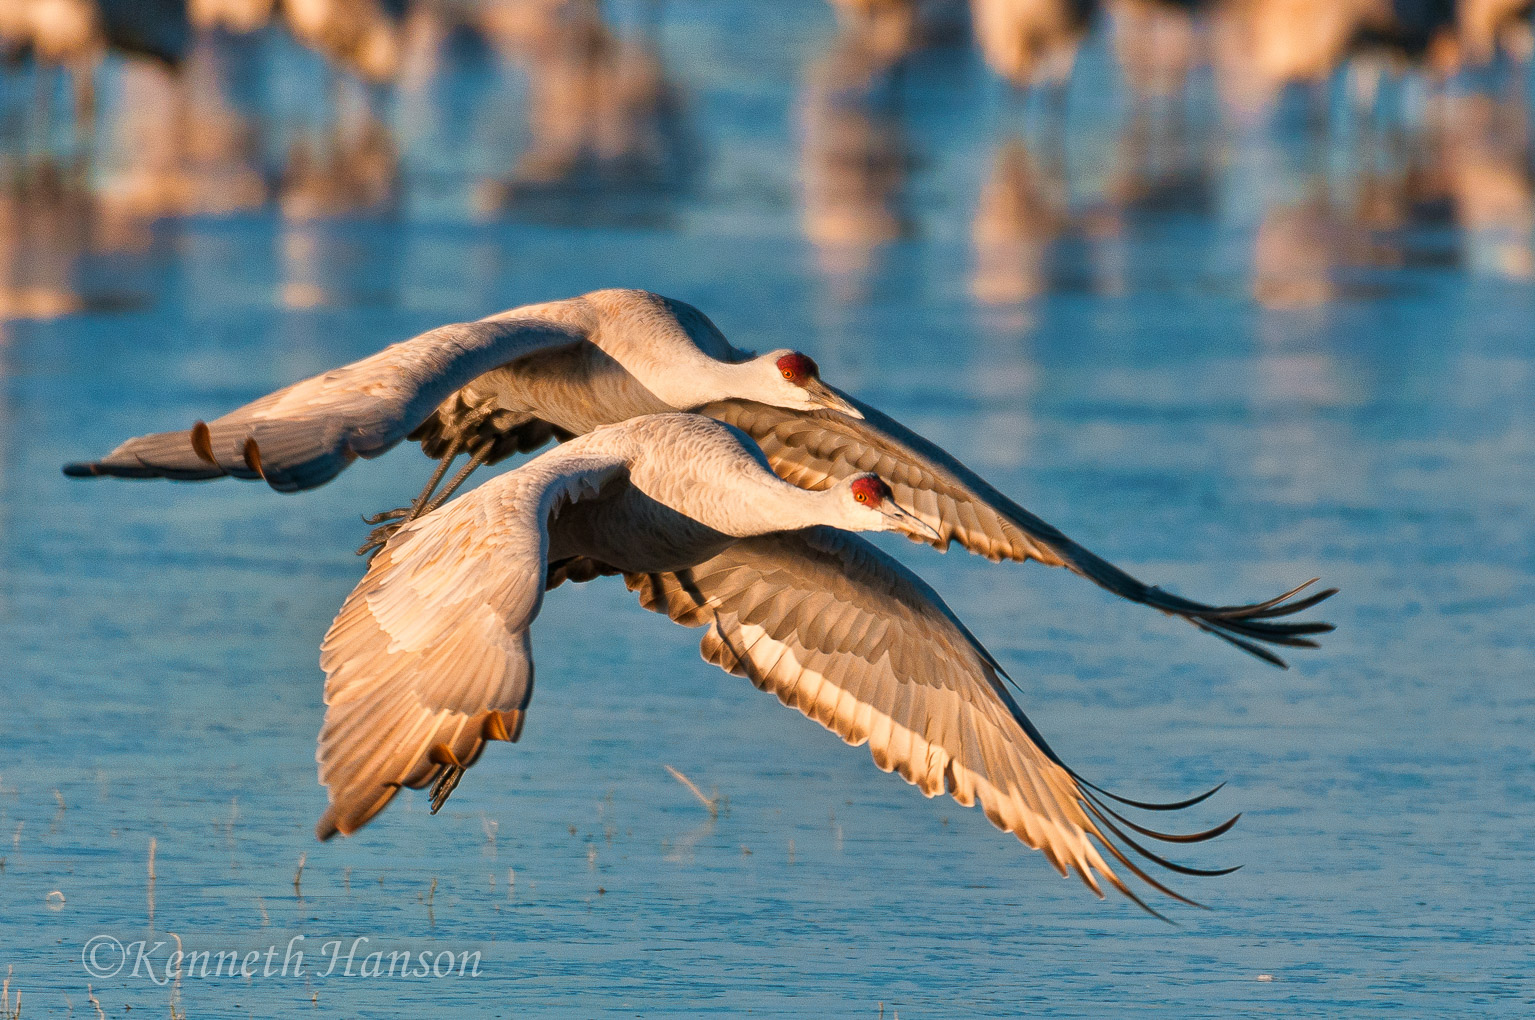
x=509 y=383
x=429 y=658
x=305 y=434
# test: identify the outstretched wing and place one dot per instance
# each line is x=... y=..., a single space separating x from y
x=857 y=642
x=307 y=433
x=429 y=656
x=816 y=449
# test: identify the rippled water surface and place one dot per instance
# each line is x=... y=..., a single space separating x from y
x=1227 y=353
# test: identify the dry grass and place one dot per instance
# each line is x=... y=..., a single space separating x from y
x=150 y=885
x=712 y=803
x=431 y=894
x=6 y=1011
x=491 y=827
x=177 y=1013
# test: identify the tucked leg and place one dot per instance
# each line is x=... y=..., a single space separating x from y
x=391 y=520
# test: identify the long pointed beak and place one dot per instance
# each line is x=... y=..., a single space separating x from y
x=824 y=396
x=908 y=523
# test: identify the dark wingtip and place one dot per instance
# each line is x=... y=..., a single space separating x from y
x=1168 y=837
x=326 y=827
x=202 y=442
x=83 y=469
x=1151 y=805
x=1247 y=626
x=252 y=454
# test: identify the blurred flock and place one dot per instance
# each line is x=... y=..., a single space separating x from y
x=1325 y=137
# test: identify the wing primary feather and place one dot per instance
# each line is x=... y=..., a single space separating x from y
x=1148 y=805
x=1167 y=837
x=1129 y=893
x=1246 y=646
x=1295 y=607
x=818 y=448
x=1216 y=612
x=1158 y=859
x=1136 y=869
x=1280 y=633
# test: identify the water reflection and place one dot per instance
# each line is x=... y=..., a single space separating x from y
x=348 y=168
x=1039 y=228
x=605 y=124
x=1021 y=213
x=854 y=157
x=45 y=229
x=1031 y=42
x=1158 y=43
x=1457 y=192
x=1488 y=178
x=571 y=113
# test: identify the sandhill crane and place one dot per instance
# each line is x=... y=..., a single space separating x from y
x=1265 y=45
x=897 y=27
x=509 y=383
x=361 y=34
x=430 y=656
x=79 y=32
x=1487 y=28
x=76 y=34
x=1031 y=42
x=236 y=16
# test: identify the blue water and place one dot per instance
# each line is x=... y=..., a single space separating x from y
x=1229 y=357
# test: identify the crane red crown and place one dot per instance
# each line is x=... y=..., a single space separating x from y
x=798 y=368
x=870 y=490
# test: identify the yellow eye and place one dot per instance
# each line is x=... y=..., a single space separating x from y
x=861 y=497
x=788 y=375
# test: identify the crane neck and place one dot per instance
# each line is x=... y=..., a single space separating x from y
x=692 y=378
x=770 y=504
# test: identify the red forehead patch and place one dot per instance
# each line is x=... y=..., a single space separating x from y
x=870 y=490
x=797 y=368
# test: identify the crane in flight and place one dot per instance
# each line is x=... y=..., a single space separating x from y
x=513 y=381
x=430 y=657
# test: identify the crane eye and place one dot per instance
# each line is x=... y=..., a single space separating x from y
x=796 y=368
x=861 y=497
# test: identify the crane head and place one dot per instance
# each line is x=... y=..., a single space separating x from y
x=795 y=382
x=871 y=506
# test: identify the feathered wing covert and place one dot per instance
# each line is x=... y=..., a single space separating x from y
x=852 y=639
x=429 y=656
x=429 y=659
x=305 y=434
x=425 y=388
x=816 y=449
